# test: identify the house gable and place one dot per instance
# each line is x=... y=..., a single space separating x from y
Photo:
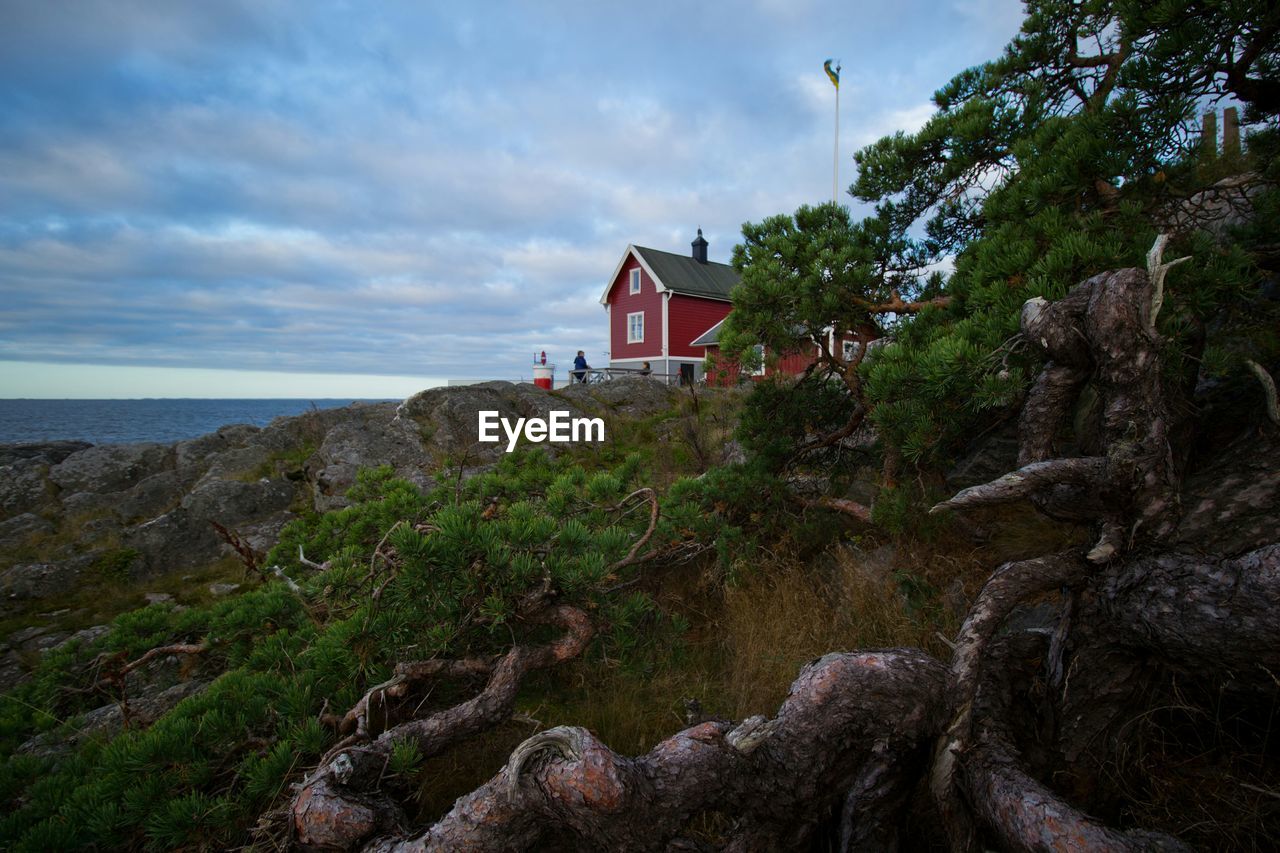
x=623 y=305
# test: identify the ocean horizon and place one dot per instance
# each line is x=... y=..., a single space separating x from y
x=146 y=419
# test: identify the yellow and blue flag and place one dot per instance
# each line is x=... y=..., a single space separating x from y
x=833 y=73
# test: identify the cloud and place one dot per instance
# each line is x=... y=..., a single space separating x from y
x=409 y=188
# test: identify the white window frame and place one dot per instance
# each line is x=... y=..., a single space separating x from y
x=759 y=370
x=635 y=281
x=849 y=349
x=632 y=338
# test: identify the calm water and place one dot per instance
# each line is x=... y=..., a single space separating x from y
x=111 y=421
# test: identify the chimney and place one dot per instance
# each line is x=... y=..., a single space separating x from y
x=1209 y=135
x=1230 y=132
x=700 y=248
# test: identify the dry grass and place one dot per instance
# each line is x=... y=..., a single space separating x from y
x=1202 y=766
x=776 y=621
x=746 y=645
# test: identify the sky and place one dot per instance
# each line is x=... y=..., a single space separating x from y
x=264 y=198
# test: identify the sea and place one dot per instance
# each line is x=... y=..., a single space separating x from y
x=129 y=421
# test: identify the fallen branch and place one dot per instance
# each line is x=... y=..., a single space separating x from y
x=319 y=567
x=289 y=582
x=337 y=806
x=851 y=508
x=112 y=671
x=248 y=557
x=1268 y=389
x=652 y=497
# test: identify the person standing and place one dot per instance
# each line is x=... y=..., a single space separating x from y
x=580 y=367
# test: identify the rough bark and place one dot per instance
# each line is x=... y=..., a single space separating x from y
x=1023 y=812
x=339 y=805
x=852 y=722
x=1104 y=328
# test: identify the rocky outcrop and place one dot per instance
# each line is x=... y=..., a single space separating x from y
x=73 y=514
x=46 y=452
x=448 y=418
x=632 y=396
x=372 y=433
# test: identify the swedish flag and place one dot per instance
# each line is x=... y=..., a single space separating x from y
x=833 y=73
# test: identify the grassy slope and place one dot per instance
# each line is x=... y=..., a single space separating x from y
x=729 y=629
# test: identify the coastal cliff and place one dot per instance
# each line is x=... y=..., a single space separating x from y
x=87 y=531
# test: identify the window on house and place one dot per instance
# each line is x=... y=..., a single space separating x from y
x=851 y=349
x=635 y=328
x=759 y=371
x=635 y=281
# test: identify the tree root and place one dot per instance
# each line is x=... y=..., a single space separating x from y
x=338 y=804
x=1088 y=471
x=1023 y=812
x=852 y=723
x=1010 y=585
x=1104 y=328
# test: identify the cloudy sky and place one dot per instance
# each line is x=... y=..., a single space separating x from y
x=216 y=198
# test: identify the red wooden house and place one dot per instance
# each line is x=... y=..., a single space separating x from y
x=667 y=310
x=793 y=362
x=658 y=302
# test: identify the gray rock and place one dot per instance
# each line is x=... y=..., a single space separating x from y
x=992 y=456
x=37 y=580
x=449 y=418
x=85 y=636
x=110 y=467
x=191 y=456
x=633 y=396
x=237 y=461
x=375 y=437
x=231 y=502
x=158 y=597
x=1232 y=505
x=24 y=486
x=184 y=538
x=153 y=496
x=732 y=453
x=46 y=452
x=1228 y=204
x=263 y=535
x=288 y=433
x=19 y=639
x=22 y=527
x=12 y=671
x=45 y=642
x=221 y=589
x=79 y=504
x=108 y=720
x=172 y=541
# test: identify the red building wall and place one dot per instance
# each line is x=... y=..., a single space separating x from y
x=689 y=317
x=622 y=302
x=791 y=363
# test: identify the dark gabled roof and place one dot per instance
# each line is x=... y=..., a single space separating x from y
x=709 y=338
x=682 y=274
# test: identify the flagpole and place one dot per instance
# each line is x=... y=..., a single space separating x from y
x=835 y=154
x=834 y=76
